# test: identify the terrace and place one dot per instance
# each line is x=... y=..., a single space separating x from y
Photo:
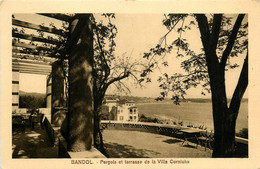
x=134 y=144
x=121 y=139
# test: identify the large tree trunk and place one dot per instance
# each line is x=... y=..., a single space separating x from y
x=224 y=129
x=81 y=102
x=224 y=117
x=223 y=125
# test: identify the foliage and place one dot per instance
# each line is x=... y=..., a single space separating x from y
x=243 y=133
x=143 y=118
x=222 y=37
x=194 y=61
x=109 y=68
x=55 y=50
x=31 y=102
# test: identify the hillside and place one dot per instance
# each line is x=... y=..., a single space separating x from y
x=133 y=98
x=166 y=100
x=23 y=93
x=32 y=100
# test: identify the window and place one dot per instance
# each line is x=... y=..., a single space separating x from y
x=135 y=117
x=121 y=118
x=131 y=111
x=131 y=117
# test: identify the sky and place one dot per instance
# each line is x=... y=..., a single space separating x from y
x=137 y=33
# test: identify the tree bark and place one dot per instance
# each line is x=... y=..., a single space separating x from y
x=98 y=137
x=57 y=98
x=81 y=102
x=224 y=117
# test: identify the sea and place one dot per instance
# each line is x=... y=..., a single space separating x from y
x=190 y=113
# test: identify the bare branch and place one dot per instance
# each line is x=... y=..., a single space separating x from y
x=125 y=74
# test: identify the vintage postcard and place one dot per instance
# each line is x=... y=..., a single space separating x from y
x=129 y=84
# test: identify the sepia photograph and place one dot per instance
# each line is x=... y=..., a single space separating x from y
x=99 y=89
x=84 y=79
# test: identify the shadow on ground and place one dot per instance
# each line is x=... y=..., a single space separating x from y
x=32 y=143
x=189 y=146
x=172 y=141
x=125 y=151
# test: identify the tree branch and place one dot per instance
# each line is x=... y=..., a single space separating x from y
x=125 y=74
x=204 y=30
x=208 y=42
x=215 y=32
x=171 y=28
x=231 y=40
x=103 y=59
x=240 y=88
x=135 y=78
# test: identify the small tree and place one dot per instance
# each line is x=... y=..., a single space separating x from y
x=108 y=68
x=222 y=37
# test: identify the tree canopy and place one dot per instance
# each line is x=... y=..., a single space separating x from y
x=222 y=37
x=193 y=59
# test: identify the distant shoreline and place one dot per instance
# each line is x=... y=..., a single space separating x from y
x=142 y=100
x=194 y=113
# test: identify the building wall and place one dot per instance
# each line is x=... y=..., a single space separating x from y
x=122 y=113
x=127 y=112
x=15 y=90
x=133 y=114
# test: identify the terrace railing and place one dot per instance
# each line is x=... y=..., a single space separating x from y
x=168 y=130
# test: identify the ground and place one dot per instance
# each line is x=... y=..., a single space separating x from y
x=33 y=143
x=135 y=144
x=119 y=144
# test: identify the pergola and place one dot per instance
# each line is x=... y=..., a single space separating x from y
x=78 y=51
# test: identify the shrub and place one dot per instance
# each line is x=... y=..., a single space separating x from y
x=243 y=133
x=143 y=118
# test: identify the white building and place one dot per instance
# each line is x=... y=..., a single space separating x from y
x=127 y=112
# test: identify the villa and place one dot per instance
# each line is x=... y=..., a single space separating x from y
x=127 y=111
x=120 y=110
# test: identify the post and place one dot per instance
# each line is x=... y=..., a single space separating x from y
x=81 y=103
x=58 y=112
x=48 y=96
